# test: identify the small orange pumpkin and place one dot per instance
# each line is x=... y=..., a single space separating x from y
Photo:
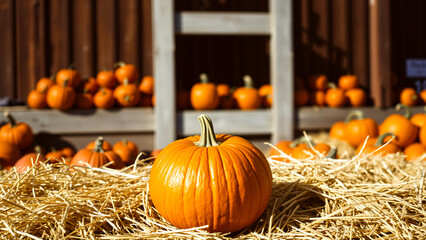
x=359 y=128
x=422 y=96
x=318 y=82
x=338 y=130
x=247 y=97
x=106 y=79
x=356 y=97
x=409 y=97
x=223 y=89
x=127 y=94
x=348 y=81
x=68 y=77
x=36 y=99
x=284 y=146
x=183 y=99
x=219 y=171
x=204 y=94
x=89 y=85
x=419 y=119
x=104 y=98
x=61 y=97
x=44 y=83
x=303 y=150
x=405 y=132
x=265 y=92
x=54 y=155
x=97 y=157
x=126 y=71
x=84 y=100
x=301 y=97
x=335 y=97
x=127 y=150
x=28 y=160
x=19 y=134
x=414 y=151
x=146 y=85
x=9 y=154
x=389 y=148
x=318 y=98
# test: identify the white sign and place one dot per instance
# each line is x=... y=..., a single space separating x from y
x=416 y=68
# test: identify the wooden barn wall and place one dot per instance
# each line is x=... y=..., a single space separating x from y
x=330 y=37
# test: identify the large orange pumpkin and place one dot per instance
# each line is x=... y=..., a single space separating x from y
x=97 y=157
x=359 y=128
x=405 y=132
x=204 y=94
x=61 y=96
x=19 y=134
x=222 y=181
x=247 y=97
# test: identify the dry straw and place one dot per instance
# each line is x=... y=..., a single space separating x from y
x=355 y=198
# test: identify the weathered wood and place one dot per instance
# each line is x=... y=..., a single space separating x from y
x=222 y=23
x=320 y=34
x=359 y=41
x=146 y=49
x=164 y=72
x=340 y=39
x=83 y=37
x=129 y=32
x=7 y=48
x=282 y=70
x=60 y=35
x=380 y=55
x=106 y=34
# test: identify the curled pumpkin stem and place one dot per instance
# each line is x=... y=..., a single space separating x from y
x=10 y=119
x=204 y=78
x=381 y=138
x=406 y=108
x=207 y=136
x=248 y=81
x=358 y=114
x=98 y=145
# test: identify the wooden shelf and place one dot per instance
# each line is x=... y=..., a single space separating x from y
x=119 y=120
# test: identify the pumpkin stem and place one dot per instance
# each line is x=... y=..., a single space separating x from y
x=207 y=136
x=248 y=81
x=37 y=149
x=204 y=78
x=332 y=85
x=356 y=113
x=124 y=142
x=98 y=145
x=406 y=108
x=381 y=138
x=300 y=140
x=65 y=83
x=332 y=153
x=119 y=64
x=10 y=118
x=126 y=81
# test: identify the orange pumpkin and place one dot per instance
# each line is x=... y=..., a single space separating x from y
x=54 y=155
x=211 y=180
x=359 y=128
x=405 y=132
x=106 y=79
x=127 y=150
x=204 y=94
x=419 y=119
x=414 y=151
x=223 y=89
x=147 y=85
x=9 y=154
x=356 y=97
x=247 y=97
x=335 y=97
x=127 y=94
x=348 y=81
x=318 y=82
x=28 y=160
x=84 y=100
x=68 y=152
x=155 y=152
x=265 y=93
x=61 y=97
x=318 y=98
x=36 y=99
x=44 y=83
x=97 y=157
x=126 y=71
x=303 y=150
x=391 y=147
x=422 y=135
x=338 y=130
x=104 y=98
x=68 y=77
x=19 y=134
x=409 y=97
x=89 y=85
x=284 y=146
x=226 y=96
x=422 y=96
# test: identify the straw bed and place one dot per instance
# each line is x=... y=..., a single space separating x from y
x=359 y=198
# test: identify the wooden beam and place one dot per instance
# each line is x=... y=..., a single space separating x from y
x=164 y=72
x=380 y=53
x=7 y=49
x=222 y=23
x=282 y=70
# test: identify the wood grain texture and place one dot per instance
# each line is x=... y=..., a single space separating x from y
x=129 y=32
x=106 y=34
x=60 y=36
x=7 y=49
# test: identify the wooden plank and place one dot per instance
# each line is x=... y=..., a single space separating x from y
x=146 y=48
x=254 y=122
x=164 y=72
x=87 y=121
x=282 y=70
x=359 y=43
x=380 y=56
x=128 y=32
x=340 y=39
x=106 y=34
x=60 y=35
x=222 y=23
x=83 y=37
x=7 y=49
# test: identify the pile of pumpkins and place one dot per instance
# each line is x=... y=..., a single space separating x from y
x=321 y=92
x=17 y=150
x=410 y=97
x=118 y=87
x=397 y=133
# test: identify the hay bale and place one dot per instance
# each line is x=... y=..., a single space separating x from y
x=361 y=197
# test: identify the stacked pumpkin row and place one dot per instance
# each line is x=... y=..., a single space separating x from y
x=410 y=97
x=397 y=133
x=321 y=92
x=110 y=88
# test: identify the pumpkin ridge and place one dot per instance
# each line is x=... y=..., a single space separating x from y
x=226 y=172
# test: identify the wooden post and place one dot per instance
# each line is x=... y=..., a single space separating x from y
x=283 y=113
x=164 y=72
x=380 y=62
